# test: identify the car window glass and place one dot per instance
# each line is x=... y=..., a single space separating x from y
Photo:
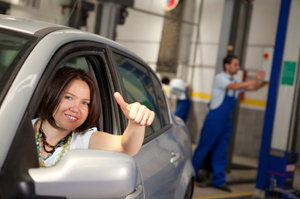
x=10 y=47
x=139 y=88
x=161 y=101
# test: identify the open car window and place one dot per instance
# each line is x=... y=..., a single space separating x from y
x=92 y=62
x=82 y=62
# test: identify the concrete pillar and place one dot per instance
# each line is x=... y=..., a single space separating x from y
x=169 y=47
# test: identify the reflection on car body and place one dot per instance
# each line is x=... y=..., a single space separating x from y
x=30 y=53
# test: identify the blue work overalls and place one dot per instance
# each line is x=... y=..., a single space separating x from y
x=215 y=136
x=183 y=108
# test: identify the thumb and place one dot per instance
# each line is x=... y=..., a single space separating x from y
x=123 y=105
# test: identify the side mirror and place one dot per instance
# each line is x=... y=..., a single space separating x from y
x=87 y=174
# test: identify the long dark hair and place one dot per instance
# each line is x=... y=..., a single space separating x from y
x=55 y=91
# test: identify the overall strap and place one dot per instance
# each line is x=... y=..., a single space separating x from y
x=232 y=81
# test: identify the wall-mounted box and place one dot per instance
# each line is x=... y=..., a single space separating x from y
x=267 y=60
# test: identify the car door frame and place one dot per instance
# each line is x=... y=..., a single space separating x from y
x=20 y=183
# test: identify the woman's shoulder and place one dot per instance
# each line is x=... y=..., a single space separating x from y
x=90 y=130
x=81 y=139
x=33 y=121
x=84 y=134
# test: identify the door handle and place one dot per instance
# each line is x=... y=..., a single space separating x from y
x=175 y=157
x=136 y=194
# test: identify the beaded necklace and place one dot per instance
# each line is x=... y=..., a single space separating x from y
x=41 y=142
x=60 y=143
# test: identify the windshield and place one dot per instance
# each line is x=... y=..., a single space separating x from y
x=13 y=49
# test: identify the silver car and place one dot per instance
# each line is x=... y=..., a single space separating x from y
x=30 y=53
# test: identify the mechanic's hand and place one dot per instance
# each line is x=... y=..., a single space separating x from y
x=136 y=112
x=260 y=75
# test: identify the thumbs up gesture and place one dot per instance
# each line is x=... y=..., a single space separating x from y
x=135 y=112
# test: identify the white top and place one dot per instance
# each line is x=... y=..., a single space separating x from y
x=221 y=81
x=178 y=88
x=79 y=140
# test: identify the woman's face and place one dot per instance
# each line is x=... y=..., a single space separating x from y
x=73 y=108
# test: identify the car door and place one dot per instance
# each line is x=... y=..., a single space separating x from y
x=159 y=159
x=20 y=176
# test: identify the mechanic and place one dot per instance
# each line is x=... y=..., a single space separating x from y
x=217 y=126
x=179 y=89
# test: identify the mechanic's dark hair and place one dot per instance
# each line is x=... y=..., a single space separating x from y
x=56 y=90
x=228 y=59
x=165 y=80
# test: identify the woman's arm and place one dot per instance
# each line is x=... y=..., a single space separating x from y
x=131 y=141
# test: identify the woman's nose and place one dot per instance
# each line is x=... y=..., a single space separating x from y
x=74 y=108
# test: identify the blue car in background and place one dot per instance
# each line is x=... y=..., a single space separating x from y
x=30 y=53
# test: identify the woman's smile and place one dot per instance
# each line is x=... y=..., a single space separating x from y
x=72 y=118
x=73 y=108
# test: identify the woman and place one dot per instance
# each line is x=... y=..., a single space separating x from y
x=69 y=112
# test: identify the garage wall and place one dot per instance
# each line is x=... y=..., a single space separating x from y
x=197 y=59
x=202 y=70
x=142 y=30
x=202 y=61
x=48 y=11
x=252 y=110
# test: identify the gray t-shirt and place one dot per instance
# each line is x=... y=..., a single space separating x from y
x=178 y=88
x=221 y=81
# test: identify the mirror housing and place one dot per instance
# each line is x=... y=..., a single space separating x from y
x=87 y=173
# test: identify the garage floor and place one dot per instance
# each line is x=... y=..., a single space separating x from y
x=239 y=190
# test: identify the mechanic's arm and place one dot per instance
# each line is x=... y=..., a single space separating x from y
x=236 y=86
x=255 y=86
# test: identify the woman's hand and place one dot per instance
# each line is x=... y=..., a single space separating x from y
x=135 y=112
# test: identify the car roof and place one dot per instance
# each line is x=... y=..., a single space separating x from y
x=24 y=25
x=40 y=28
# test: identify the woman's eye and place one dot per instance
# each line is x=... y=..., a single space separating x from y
x=68 y=97
x=85 y=103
